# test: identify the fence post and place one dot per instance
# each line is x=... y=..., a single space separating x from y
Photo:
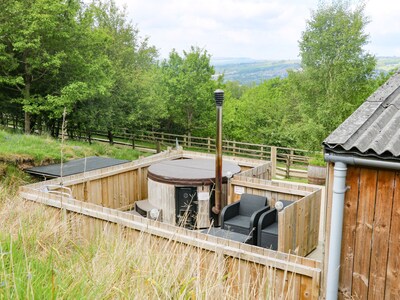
x=287 y=165
x=189 y=140
x=234 y=148
x=185 y=141
x=291 y=156
x=273 y=161
x=133 y=141
x=158 y=147
x=261 y=152
x=208 y=144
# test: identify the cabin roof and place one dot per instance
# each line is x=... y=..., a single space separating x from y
x=374 y=128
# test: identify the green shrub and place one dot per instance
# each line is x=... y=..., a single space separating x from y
x=317 y=160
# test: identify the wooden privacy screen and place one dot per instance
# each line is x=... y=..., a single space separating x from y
x=370 y=254
x=114 y=187
x=260 y=172
x=298 y=223
x=266 y=274
x=121 y=186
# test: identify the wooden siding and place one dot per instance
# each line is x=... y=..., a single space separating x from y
x=371 y=235
x=260 y=172
x=299 y=222
x=266 y=273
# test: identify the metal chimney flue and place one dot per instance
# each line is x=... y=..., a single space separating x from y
x=219 y=99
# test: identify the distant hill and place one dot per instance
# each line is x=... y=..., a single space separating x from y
x=249 y=71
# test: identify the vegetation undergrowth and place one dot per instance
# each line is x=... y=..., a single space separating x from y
x=47 y=253
x=18 y=151
x=37 y=150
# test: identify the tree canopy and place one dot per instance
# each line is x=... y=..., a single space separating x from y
x=189 y=91
x=88 y=58
x=336 y=70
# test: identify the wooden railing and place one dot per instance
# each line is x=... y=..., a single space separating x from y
x=286 y=162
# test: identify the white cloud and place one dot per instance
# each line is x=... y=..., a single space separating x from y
x=384 y=28
x=247 y=28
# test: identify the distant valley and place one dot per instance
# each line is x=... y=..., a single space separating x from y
x=250 y=71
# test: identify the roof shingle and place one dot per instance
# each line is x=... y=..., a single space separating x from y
x=373 y=129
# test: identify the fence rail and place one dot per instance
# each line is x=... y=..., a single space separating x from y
x=286 y=162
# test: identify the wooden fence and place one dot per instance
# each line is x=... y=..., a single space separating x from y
x=120 y=186
x=287 y=162
x=298 y=223
x=269 y=274
x=290 y=276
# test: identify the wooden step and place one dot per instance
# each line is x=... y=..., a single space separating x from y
x=143 y=207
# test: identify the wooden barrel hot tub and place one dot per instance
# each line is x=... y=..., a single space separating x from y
x=183 y=190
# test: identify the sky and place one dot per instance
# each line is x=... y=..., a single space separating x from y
x=258 y=29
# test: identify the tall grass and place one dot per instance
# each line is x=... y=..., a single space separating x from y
x=44 y=255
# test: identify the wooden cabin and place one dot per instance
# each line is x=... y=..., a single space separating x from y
x=364 y=200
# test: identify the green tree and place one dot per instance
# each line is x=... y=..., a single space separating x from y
x=336 y=71
x=31 y=35
x=260 y=115
x=235 y=89
x=189 y=91
x=131 y=72
x=51 y=56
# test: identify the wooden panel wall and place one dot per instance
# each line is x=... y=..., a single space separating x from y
x=299 y=222
x=370 y=260
x=265 y=274
x=120 y=190
x=261 y=172
x=299 y=225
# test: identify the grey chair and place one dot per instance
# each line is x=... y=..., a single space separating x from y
x=242 y=216
x=267 y=229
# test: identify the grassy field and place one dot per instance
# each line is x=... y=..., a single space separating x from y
x=44 y=149
x=42 y=258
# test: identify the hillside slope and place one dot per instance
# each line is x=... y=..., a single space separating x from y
x=250 y=71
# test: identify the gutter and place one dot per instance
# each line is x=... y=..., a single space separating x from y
x=359 y=161
x=339 y=190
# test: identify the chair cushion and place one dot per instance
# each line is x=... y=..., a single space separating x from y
x=240 y=224
x=251 y=203
x=273 y=228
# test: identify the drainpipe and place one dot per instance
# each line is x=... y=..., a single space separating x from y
x=339 y=189
x=335 y=241
x=219 y=99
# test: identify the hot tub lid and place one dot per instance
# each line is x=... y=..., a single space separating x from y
x=189 y=171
